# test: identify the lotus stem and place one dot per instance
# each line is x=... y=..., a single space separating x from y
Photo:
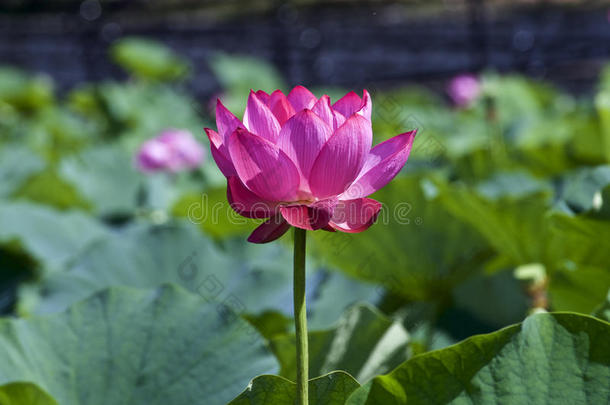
x=300 y=316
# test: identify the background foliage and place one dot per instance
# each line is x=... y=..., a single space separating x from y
x=144 y=283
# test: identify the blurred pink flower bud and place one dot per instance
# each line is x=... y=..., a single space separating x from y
x=153 y=156
x=187 y=152
x=464 y=89
x=173 y=150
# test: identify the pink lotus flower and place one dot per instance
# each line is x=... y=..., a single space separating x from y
x=464 y=89
x=173 y=150
x=298 y=160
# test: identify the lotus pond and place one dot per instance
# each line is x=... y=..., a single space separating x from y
x=485 y=278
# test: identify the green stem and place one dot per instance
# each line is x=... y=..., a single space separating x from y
x=300 y=316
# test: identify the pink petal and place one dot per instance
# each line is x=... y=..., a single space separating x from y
x=263 y=167
x=302 y=138
x=382 y=165
x=331 y=117
x=246 y=203
x=263 y=96
x=280 y=107
x=220 y=153
x=355 y=216
x=259 y=119
x=312 y=217
x=351 y=103
x=348 y=104
x=225 y=121
x=269 y=230
x=301 y=98
x=341 y=158
x=367 y=105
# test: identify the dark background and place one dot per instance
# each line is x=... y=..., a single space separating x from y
x=315 y=42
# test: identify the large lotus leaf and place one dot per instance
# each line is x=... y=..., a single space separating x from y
x=512 y=212
x=330 y=389
x=336 y=293
x=364 y=343
x=329 y=295
x=602 y=105
x=497 y=299
x=271 y=323
x=580 y=239
x=25 y=91
x=128 y=346
x=138 y=111
x=461 y=136
x=517 y=99
x=20 y=393
x=507 y=209
x=416 y=249
x=527 y=124
x=48 y=188
x=241 y=72
x=164 y=190
x=560 y=358
x=51 y=237
x=148 y=59
x=238 y=74
x=543 y=145
x=247 y=278
x=476 y=148
x=105 y=177
x=212 y=212
x=589 y=145
x=409 y=108
x=578 y=288
x=582 y=278
x=603 y=311
x=62 y=132
x=17 y=163
x=583 y=187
